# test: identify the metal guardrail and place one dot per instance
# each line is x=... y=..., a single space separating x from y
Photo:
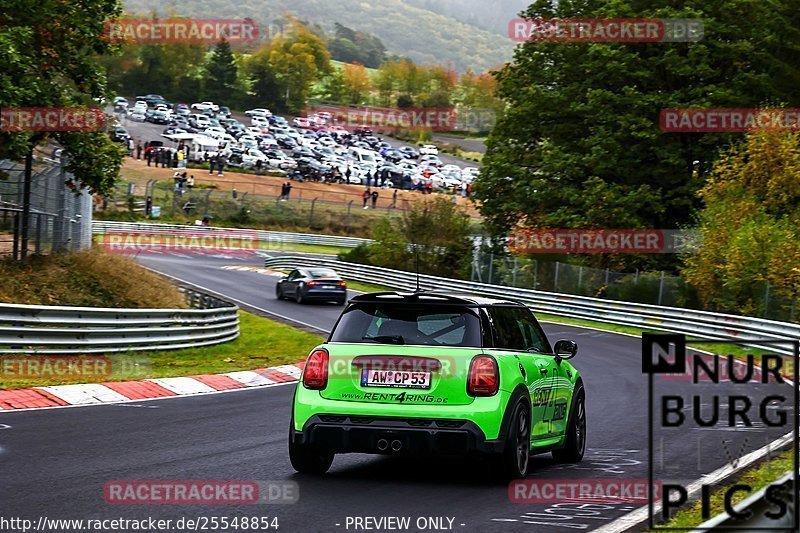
x=748 y=331
x=44 y=329
x=101 y=227
x=757 y=505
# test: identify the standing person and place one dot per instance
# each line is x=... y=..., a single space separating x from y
x=148 y=154
x=139 y=150
x=288 y=189
x=190 y=182
x=365 y=197
x=375 y=199
x=394 y=199
x=220 y=164
x=258 y=167
x=212 y=162
x=348 y=173
x=283 y=192
x=131 y=146
x=369 y=178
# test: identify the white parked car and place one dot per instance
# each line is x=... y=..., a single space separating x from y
x=443 y=181
x=204 y=106
x=428 y=149
x=258 y=112
x=259 y=122
x=137 y=115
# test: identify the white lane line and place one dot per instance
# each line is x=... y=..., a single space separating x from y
x=5 y=426
x=83 y=394
x=183 y=386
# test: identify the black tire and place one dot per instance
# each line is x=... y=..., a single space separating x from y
x=278 y=292
x=514 y=461
x=298 y=296
x=308 y=460
x=575 y=444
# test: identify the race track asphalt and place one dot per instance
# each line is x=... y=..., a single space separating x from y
x=55 y=463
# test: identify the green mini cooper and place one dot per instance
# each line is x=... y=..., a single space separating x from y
x=429 y=373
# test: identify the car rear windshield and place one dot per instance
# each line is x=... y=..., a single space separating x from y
x=392 y=323
x=322 y=273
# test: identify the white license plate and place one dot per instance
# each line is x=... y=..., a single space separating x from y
x=395 y=378
x=329 y=286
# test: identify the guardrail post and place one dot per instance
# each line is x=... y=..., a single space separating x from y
x=347 y=221
x=766 y=300
x=580 y=277
x=205 y=207
x=606 y=279
x=555 y=278
x=514 y=273
x=491 y=267
x=661 y=288
x=535 y=273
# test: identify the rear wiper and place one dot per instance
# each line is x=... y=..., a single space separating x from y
x=389 y=339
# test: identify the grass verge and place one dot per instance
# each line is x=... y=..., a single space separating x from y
x=90 y=278
x=757 y=478
x=262 y=343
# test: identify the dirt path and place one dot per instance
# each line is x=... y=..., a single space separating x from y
x=138 y=172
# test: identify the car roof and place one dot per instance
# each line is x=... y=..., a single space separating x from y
x=432 y=297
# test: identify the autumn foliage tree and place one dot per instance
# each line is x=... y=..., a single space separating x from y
x=750 y=224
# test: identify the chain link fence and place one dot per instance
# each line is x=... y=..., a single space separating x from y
x=657 y=288
x=60 y=219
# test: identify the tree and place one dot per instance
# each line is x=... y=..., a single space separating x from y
x=221 y=84
x=581 y=111
x=356 y=82
x=49 y=55
x=749 y=225
x=398 y=242
x=265 y=87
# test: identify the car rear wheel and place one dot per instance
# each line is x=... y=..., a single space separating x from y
x=298 y=296
x=575 y=444
x=308 y=460
x=514 y=461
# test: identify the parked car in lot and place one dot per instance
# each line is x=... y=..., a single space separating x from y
x=120 y=134
x=420 y=374
x=306 y=284
x=258 y=112
x=224 y=111
x=205 y=106
x=428 y=149
x=409 y=151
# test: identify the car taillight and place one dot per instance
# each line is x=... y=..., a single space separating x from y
x=343 y=284
x=315 y=373
x=484 y=376
x=310 y=283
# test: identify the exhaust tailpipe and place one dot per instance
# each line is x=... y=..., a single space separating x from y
x=383 y=444
x=396 y=445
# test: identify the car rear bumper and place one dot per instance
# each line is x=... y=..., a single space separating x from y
x=325 y=294
x=406 y=436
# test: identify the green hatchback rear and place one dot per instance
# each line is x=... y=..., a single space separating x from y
x=434 y=374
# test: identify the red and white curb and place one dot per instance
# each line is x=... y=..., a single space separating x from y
x=146 y=389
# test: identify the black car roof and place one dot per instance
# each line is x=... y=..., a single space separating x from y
x=432 y=297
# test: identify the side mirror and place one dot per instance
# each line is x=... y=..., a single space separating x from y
x=565 y=349
x=284 y=278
